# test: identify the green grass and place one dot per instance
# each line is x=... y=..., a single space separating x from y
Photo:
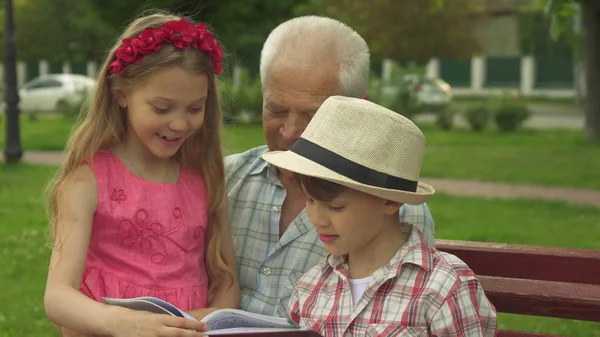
x=23 y=254
x=549 y=157
x=48 y=133
x=532 y=100
x=24 y=257
x=552 y=157
x=555 y=157
x=239 y=138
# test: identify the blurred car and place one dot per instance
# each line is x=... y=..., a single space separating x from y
x=54 y=92
x=429 y=90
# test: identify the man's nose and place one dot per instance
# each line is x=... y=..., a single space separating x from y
x=292 y=128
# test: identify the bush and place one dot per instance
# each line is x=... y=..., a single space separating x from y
x=248 y=95
x=229 y=108
x=510 y=113
x=396 y=93
x=478 y=116
x=445 y=116
x=69 y=110
x=241 y=103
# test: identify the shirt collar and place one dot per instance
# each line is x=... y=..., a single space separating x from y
x=265 y=169
x=261 y=165
x=260 y=168
x=414 y=251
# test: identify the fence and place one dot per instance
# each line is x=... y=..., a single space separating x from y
x=529 y=75
x=553 y=76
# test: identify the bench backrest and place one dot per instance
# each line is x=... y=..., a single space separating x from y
x=534 y=280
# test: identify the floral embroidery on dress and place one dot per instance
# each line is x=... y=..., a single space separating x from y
x=118 y=196
x=150 y=237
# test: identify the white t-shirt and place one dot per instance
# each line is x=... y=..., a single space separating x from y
x=358 y=287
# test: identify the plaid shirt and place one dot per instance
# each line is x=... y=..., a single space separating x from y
x=268 y=266
x=420 y=292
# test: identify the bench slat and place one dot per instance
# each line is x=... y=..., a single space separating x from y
x=527 y=262
x=543 y=298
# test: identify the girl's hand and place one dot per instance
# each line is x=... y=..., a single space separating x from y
x=199 y=314
x=144 y=324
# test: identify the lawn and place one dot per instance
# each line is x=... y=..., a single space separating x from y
x=48 y=133
x=555 y=157
x=550 y=157
x=566 y=101
x=24 y=257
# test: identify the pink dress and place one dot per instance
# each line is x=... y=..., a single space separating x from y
x=147 y=238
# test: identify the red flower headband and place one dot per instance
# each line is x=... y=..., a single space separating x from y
x=181 y=34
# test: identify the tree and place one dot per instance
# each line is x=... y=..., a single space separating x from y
x=413 y=30
x=562 y=13
x=240 y=25
x=58 y=30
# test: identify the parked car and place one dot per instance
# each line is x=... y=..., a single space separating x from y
x=53 y=92
x=429 y=90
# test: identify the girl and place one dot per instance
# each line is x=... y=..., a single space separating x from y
x=138 y=208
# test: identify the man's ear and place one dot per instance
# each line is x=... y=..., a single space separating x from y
x=391 y=207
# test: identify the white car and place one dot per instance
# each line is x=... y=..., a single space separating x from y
x=429 y=90
x=53 y=92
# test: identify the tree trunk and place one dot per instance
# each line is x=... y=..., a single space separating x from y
x=591 y=23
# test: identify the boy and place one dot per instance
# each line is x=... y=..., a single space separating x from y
x=358 y=163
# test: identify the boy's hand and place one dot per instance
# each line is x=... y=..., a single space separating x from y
x=199 y=314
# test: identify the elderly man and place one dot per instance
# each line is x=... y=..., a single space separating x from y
x=303 y=61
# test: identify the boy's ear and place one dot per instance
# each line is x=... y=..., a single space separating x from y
x=391 y=207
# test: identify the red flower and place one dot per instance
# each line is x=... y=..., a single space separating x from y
x=180 y=33
x=127 y=52
x=201 y=26
x=202 y=41
x=217 y=49
x=151 y=40
x=218 y=68
x=116 y=67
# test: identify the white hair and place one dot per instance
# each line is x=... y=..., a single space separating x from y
x=313 y=40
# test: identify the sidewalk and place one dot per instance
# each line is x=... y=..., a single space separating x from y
x=576 y=196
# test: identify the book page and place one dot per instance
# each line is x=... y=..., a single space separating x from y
x=151 y=304
x=242 y=331
x=231 y=318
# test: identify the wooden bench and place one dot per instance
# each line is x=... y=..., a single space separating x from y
x=533 y=280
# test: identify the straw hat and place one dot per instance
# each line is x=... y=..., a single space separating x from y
x=361 y=145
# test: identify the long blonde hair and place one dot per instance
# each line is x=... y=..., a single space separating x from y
x=102 y=125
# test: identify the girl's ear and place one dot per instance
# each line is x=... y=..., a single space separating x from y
x=121 y=99
x=391 y=207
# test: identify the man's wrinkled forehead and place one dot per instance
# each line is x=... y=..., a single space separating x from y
x=286 y=85
x=284 y=103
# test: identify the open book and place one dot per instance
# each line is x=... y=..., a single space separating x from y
x=230 y=322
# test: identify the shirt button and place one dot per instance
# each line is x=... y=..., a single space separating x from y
x=275 y=209
x=267 y=271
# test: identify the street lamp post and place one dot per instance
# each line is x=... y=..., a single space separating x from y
x=12 y=148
